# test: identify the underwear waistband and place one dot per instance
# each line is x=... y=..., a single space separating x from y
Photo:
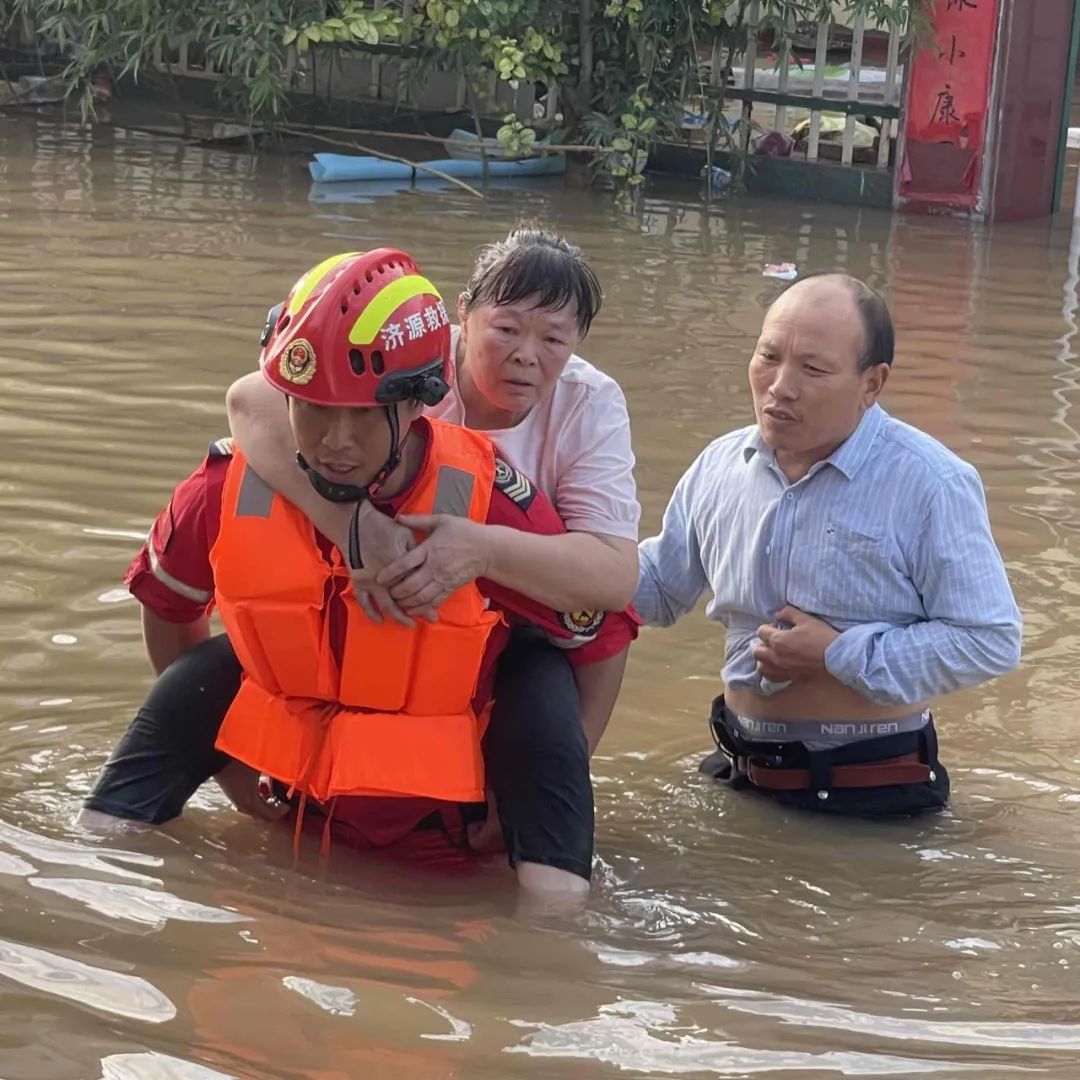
x=823 y=735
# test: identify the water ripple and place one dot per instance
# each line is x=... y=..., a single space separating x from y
x=623 y=1035
x=146 y=906
x=107 y=991
x=45 y=849
x=154 y=1066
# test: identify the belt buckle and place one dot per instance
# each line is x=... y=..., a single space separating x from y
x=774 y=760
x=738 y=761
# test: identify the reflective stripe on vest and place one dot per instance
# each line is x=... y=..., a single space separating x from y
x=395 y=716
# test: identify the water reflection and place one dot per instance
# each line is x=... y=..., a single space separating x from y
x=152 y=1066
x=651 y=1037
x=107 y=991
x=49 y=851
x=144 y=906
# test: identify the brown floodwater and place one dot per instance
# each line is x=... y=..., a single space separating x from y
x=725 y=937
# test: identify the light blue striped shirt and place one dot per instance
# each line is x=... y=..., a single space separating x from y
x=887 y=540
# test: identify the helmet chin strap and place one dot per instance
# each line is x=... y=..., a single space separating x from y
x=354 y=493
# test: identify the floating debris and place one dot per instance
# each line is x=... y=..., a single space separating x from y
x=781 y=271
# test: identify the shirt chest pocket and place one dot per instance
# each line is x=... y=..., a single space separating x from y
x=855 y=575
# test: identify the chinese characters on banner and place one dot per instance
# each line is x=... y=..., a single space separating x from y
x=948 y=102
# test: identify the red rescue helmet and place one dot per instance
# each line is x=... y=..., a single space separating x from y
x=361 y=329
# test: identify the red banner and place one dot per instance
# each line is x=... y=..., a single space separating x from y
x=948 y=101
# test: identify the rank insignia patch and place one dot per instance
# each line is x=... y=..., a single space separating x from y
x=222 y=447
x=514 y=485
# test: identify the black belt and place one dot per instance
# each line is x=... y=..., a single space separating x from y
x=907 y=757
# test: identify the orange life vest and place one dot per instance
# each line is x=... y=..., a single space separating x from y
x=395 y=716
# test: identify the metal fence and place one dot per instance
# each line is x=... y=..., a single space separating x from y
x=876 y=96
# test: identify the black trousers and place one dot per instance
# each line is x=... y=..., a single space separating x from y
x=535 y=754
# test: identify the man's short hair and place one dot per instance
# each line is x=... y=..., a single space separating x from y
x=879 y=337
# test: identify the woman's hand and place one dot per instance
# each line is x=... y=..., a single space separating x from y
x=241 y=783
x=383 y=542
x=454 y=554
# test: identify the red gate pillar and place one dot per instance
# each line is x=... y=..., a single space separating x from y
x=983 y=114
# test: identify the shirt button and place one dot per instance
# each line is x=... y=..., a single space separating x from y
x=768 y=549
x=791 y=495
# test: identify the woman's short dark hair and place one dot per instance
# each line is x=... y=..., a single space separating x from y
x=879 y=336
x=534 y=261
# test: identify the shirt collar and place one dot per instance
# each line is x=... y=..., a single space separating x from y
x=847 y=458
x=754 y=444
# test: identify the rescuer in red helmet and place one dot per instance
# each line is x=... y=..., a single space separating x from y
x=375 y=728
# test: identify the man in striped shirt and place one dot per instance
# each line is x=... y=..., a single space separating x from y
x=851 y=564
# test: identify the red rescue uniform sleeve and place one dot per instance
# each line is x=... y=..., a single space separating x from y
x=172 y=575
x=587 y=636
